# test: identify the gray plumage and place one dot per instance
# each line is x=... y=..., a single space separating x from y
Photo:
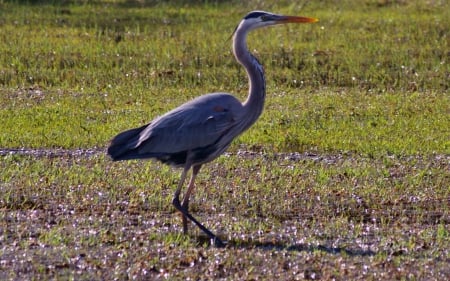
x=202 y=129
x=203 y=123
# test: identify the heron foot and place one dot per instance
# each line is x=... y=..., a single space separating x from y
x=216 y=242
x=185 y=214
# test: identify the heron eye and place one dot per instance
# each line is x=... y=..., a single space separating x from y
x=264 y=18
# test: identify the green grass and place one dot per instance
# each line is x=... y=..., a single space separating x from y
x=345 y=175
x=368 y=78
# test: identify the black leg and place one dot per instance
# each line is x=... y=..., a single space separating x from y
x=185 y=203
x=184 y=207
x=216 y=240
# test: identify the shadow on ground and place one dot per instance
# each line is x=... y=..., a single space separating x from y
x=280 y=246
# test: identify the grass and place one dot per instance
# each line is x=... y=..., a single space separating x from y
x=345 y=176
x=356 y=75
x=342 y=216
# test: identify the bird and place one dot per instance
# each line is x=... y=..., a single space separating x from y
x=202 y=129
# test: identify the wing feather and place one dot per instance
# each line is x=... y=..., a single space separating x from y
x=196 y=124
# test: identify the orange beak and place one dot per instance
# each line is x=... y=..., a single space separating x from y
x=286 y=19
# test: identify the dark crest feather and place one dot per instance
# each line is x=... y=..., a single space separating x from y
x=255 y=14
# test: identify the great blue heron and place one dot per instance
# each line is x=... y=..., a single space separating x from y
x=202 y=129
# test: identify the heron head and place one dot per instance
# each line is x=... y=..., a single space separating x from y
x=257 y=19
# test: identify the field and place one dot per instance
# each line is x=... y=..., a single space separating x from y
x=345 y=176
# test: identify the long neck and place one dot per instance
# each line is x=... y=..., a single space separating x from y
x=254 y=104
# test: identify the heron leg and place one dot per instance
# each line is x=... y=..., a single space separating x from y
x=185 y=203
x=176 y=196
x=183 y=208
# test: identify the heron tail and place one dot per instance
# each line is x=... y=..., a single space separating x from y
x=124 y=145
